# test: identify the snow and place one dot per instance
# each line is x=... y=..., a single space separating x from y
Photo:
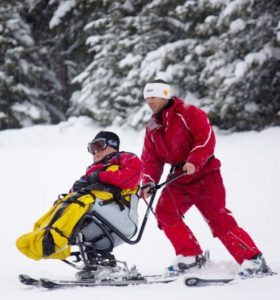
x=129 y=60
x=251 y=107
x=237 y=25
x=255 y=58
x=234 y=6
x=26 y=112
x=63 y=8
x=240 y=69
x=152 y=64
x=39 y=162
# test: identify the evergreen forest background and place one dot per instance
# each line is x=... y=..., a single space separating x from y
x=63 y=58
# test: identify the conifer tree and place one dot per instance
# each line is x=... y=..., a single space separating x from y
x=225 y=53
x=28 y=88
x=60 y=58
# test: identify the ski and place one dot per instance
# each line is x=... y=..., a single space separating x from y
x=27 y=280
x=54 y=284
x=136 y=280
x=197 y=281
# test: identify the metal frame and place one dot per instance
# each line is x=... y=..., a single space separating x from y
x=104 y=224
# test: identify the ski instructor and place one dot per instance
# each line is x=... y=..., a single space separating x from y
x=181 y=135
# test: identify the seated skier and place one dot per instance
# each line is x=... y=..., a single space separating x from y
x=106 y=193
x=115 y=172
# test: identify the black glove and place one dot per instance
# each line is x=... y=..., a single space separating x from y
x=93 y=177
x=80 y=184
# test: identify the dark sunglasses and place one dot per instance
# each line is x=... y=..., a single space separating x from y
x=97 y=145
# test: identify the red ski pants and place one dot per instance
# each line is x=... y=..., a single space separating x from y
x=208 y=195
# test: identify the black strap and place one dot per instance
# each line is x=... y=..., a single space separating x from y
x=176 y=167
x=59 y=232
x=48 y=241
x=74 y=199
x=121 y=202
x=179 y=166
x=48 y=245
x=115 y=191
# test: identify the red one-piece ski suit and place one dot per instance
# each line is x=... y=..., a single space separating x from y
x=179 y=134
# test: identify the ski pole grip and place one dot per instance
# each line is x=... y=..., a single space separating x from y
x=147 y=185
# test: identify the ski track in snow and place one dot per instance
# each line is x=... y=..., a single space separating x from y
x=40 y=162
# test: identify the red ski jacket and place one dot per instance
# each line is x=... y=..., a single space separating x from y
x=127 y=176
x=181 y=133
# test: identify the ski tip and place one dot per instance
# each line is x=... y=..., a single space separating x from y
x=27 y=280
x=22 y=277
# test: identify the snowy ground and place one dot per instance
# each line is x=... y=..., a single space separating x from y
x=38 y=163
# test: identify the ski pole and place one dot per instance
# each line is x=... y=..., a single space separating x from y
x=158 y=186
x=150 y=204
x=153 y=189
x=147 y=203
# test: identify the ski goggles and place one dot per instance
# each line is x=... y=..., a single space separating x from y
x=97 y=145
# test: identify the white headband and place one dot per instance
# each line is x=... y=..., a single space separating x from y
x=156 y=89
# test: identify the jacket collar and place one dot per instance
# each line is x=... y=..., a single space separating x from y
x=108 y=157
x=159 y=115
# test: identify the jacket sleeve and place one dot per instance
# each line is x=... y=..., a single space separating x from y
x=127 y=176
x=203 y=136
x=152 y=166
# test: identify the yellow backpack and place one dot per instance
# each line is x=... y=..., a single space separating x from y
x=50 y=236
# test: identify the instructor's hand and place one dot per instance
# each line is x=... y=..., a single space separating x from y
x=146 y=193
x=190 y=168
